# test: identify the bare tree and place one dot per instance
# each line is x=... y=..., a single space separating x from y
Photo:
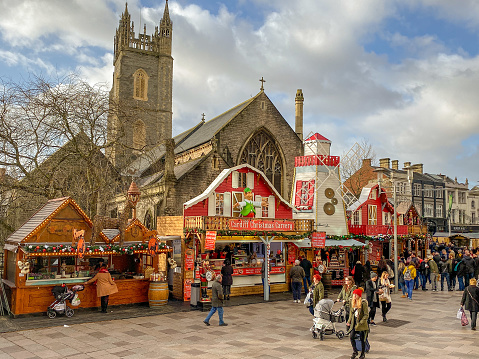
x=53 y=139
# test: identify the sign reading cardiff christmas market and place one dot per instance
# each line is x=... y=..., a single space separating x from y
x=210 y=240
x=318 y=239
x=245 y=224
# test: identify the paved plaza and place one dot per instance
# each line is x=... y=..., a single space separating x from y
x=423 y=328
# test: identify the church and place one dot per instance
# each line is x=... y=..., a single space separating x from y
x=171 y=170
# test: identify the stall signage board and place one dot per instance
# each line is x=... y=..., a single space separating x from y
x=318 y=240
x=189 y=260
x=292 y=252
x=245 y=224
x=210 y=240
x=187 y=290
x=254 y=271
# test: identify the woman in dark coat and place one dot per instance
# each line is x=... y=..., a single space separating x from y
x=359 y=274
x=372 y=296
x=470 y=301
x=227 y=282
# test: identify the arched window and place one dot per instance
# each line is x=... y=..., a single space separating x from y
x=140 y=85
x=261 y=152
x=139 y=135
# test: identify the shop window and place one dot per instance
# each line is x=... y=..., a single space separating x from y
x=373 y=194
x=220 y=204
x=304 y=194
x=387 y=218
x=439 y=211
x=239 y=180
x=428 y=210
x=372 y=215
x=357 y=218
x=237 y=197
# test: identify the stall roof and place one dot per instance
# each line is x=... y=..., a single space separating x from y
x=446 y=234
x=306 y=243
x=45 y=213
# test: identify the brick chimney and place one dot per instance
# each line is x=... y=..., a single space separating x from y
x=366 y=162
x=299 y=113
x=407 y=164
x=384 y=162
x=418 y=168
x=395 y=164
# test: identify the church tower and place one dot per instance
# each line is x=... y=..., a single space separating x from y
x=142 y=89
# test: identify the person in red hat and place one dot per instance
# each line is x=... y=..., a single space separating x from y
x=358 y=322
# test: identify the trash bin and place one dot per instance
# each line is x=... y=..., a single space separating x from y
x=195 y=294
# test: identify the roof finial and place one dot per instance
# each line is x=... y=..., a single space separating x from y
x=203 y=117
x=262 y=83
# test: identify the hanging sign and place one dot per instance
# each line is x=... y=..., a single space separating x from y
x=81 y=247
x=152 y=246
x=210 y=240
x=292 y=252
x=318 y=239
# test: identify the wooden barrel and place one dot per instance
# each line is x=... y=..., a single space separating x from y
x=326 y=279
x=158 y=294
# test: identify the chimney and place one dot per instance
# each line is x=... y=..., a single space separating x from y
x=299 y=114
x=170 y=160
x=395 y=164
x=366 y=162
x=417 y=168
x=407 y=164
x=384 y=162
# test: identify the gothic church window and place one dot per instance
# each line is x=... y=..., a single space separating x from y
x=139 y=135
x=140 y=85
x=262 y=153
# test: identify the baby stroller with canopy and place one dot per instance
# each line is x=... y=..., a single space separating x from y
x=325 y=319
x=62 y=294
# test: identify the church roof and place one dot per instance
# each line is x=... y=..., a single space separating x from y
x=191 y=138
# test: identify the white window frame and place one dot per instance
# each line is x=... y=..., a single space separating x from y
x=372 y=214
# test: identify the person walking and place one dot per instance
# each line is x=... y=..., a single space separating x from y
x=296 y=274
x=469 y=262
x=385 y=294
x=359 y=274
x=227 y=281
x=434 y=272
x=470 y=301
x=105 y=286
x=358 y=322
x=317 y=292
x=306 y=265
x=460 y=268
x=217 y=298
x=453 y=272
x=416 y=263
x=424 y=273
x=444 y=269
x=346 y=294
x=409 y=273
x=372 y=296
x=382 y=266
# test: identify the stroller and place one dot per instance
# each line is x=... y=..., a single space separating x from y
x=62 y=294
x=325 y=319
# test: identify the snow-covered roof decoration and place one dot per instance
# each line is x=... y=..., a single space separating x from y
x=222 y=176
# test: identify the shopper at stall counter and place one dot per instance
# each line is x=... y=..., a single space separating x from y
x=296 y=274
x=227 y=281
x=217 y=298
x=306 y=265
x=104 y=286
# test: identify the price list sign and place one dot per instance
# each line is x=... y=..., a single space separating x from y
x=210 y=240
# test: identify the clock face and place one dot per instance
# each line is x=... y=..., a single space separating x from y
x=321 y=268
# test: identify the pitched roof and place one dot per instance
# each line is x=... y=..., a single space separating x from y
x=222 y=176
x=318 y=137
x=45 y=213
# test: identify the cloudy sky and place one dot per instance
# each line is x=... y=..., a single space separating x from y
x=401 y=74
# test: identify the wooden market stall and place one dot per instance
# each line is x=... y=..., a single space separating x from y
x=217 y=228
x=42 y=254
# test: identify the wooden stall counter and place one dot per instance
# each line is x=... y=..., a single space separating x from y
x=35 y=298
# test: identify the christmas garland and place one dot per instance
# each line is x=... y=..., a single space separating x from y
x=129 y=249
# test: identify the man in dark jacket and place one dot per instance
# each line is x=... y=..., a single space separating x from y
x=216 y=301
x=296 y=274
x=469 y=262
x=306 y=265
x=460 y=273
x=372 y=297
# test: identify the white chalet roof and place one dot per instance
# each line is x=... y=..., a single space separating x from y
x=222 y=176
x=365 y=192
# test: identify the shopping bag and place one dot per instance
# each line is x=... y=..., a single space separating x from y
x=308 y=301
x=459 y=313
x=464 y=320
x=76 y=301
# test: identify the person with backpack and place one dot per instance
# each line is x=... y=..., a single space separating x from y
x=469 y=261
x=444 y=269
x=409 y=276
x=434 y=272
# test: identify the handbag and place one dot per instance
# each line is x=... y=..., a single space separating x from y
x=390 y=272
x=464 y=320
x=308 y=301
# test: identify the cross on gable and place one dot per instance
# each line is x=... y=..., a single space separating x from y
x=262 y=83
